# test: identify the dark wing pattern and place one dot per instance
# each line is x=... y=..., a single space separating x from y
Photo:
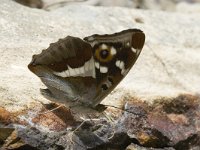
x=114 y=55
x=66 y=52
x=84 y=72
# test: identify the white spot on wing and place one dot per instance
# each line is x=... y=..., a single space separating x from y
x=61 y=74
x=88 y=69
x=133 y=50
x=76 y=71
x=103 y=69
x=71 y=71
x=67 y=73
x=121 y=66
x=117 y=63
x=91 y=64
x=97 y=65
x=91 y=68
x=86 y=66
x=104 y=46
x=113 y=51
x=81 y=70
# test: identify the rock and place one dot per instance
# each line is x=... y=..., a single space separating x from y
x=54 y=4
x=136 y=147
x=4 y=134
x=169 y=123
x=169 y=5
x=188 y=8
x=31 y=3
x=5 y=116
x=167 y=68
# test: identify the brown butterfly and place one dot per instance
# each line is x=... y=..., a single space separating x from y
x=81 y=73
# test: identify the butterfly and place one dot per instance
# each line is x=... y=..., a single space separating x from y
x=80 y=73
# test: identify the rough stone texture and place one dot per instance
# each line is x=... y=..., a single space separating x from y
x=167 y=67
x=166 y=123
x=187 y=6
x=136 y=147
x=166 y=5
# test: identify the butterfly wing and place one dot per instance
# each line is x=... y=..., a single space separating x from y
x=83 y=72
x=114 y=55
x=67 y=69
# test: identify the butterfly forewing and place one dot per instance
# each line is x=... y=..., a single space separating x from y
x=67 y=69
x=62 y=55
x=114 y=55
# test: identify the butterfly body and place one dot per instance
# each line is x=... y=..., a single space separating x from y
x=83 y=72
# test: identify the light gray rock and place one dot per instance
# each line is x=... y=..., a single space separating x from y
x=168 y=65
x=52 y=4
x=166 y=5
x=188 y=8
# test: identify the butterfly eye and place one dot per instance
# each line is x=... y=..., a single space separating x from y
x=105 y=53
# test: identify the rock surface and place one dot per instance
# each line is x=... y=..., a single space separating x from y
x=187 y=6
x=167 y=67
x=31 y=3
